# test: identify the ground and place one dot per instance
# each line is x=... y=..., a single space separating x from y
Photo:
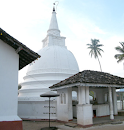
x=37 y=125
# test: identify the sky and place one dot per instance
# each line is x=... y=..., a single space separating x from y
x=78 y=20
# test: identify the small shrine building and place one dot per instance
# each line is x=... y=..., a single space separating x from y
x=104 y=86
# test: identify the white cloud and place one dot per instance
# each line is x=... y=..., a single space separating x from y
x=98 y=30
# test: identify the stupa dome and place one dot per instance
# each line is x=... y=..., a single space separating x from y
x=56 y=63
x=54 y=59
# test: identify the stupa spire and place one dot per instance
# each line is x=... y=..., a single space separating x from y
x=53 y=28
x=53 y=6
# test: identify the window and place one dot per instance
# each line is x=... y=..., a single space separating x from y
x=106 y=97
x=63 y=98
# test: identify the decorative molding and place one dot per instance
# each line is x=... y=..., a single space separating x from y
x=56 y=39
x=52 y=70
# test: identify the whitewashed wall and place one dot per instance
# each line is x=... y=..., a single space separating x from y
x=9 y=63
x=64 y=110
x=101 y=110
x=36 y=109
x=119 y=105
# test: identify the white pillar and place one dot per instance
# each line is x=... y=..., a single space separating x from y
x=78 y=95
x=84 y=111
x=87 y=95
x=81 y=95
x=69 y=103
x=111 y=104
x=114 y=101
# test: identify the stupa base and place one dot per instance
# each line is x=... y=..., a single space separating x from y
x=36 y=108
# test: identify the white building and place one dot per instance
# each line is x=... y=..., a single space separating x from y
x=56 y=64
x=105 y=101
x=13 y=57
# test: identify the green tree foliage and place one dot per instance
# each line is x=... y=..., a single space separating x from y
x=91 y=93
x=120 y=49
x=19 y=86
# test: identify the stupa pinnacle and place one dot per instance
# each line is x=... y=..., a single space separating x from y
x=53 y=28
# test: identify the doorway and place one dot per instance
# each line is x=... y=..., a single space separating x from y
x=74 y=104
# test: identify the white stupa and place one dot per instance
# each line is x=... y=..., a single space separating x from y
x=56 y=63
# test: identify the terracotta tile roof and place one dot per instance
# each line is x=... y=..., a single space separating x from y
x=26 y=55
x=94 y=77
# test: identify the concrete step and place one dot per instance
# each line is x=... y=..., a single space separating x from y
x=70 y=125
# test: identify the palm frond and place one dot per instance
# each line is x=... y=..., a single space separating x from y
x=89 y=47
x=99 y=53
x=95 y=54
x=122 y=44
x=100 y=49
x=91 y=52
x=118 y=48
x=99 y=45
x=120 y=57
x=89 y=44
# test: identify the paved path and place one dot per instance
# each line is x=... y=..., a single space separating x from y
x=31 y=125
x=102 y=127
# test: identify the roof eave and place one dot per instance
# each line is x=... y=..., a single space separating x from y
x=86 y=85
x=26 y=55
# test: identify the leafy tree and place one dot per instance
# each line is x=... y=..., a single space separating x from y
x=19 y=86
x=120 y=49
x=120 y=57
x=91 y=93
x=95 y=50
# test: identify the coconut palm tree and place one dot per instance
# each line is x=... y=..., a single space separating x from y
x=120 y=57
x=120 y=49
x=95 y=50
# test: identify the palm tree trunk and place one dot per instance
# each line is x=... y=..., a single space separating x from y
x=99 y=64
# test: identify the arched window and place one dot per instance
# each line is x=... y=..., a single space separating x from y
x=106 y=97
x=74 y=95
x=63 y=98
